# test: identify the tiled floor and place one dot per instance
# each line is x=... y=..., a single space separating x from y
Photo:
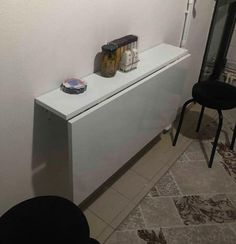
x=171 y=198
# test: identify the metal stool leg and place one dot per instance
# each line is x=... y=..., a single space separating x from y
x=181 y=120
x=216 y=139
x=233 y=139
x=200 y=119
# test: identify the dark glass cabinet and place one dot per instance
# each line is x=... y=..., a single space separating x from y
x=221 y=31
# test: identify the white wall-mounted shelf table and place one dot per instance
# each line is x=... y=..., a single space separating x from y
x=116 y=117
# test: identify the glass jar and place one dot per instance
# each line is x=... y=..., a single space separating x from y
x=108 y=63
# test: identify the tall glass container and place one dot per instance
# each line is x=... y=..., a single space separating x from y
x=108 y=63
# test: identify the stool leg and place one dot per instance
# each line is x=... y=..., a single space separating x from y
x=200 y=119
x=181 y=120
x=233 y=139
x=216 y=139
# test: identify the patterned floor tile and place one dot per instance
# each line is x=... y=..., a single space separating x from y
x=125 y=237
x=133 y=222
x=200 y=235
x=153 y=192
x=166 y=186
x=211 y=234
x=228 y=159
x=152 y=237
x=195 y=210
x=147 y=236
x=232 y=198
x=159 y=212
x=183 y=158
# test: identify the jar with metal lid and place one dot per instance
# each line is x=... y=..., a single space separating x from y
x=108 y=63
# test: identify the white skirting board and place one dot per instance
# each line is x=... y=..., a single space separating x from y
x=103 y=138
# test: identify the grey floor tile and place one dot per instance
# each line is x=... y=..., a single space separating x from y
x=159 y=212
x=208 y=131
x=233 y=227
x=199 y=210
x=230 y=115
x=200 y=235
x=96 y=225
x=130 y=184
x=201 y=148
x=196 y=178
x=105 y=235
x=108 y=205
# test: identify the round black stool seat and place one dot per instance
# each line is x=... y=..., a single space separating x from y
x=215 y=94
x=46 y=219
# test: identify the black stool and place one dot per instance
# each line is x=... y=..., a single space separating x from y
x=216 y=95
x=46 y=219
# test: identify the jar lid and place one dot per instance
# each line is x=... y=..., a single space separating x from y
x=111 y=47
x=125 y=40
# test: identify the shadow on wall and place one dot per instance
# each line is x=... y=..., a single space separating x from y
x=97 y=62
x=51 y=171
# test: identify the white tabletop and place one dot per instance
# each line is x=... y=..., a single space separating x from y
x=99 y=88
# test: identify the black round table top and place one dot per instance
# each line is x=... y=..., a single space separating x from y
x=42 y=220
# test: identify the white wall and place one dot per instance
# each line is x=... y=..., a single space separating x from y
x=198 y=36
x=44 y=42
